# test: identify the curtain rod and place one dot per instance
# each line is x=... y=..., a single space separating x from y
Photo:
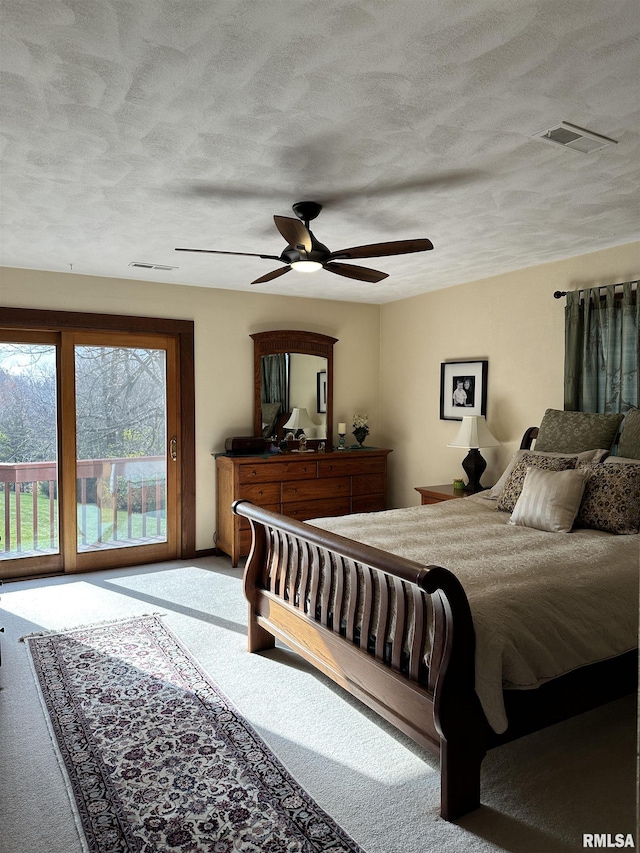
x=560 y=293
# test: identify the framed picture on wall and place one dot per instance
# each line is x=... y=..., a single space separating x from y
x=322 y=391
x=463 y=389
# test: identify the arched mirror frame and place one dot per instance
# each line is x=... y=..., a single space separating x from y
x=289 y=340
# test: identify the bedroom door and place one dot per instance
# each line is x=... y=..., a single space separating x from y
x=91 y=455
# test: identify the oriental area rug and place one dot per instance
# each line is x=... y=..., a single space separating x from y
x=158 y=759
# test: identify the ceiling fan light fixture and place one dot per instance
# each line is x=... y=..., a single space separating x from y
x=306 y=266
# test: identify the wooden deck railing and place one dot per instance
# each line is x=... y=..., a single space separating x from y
x=139 y=482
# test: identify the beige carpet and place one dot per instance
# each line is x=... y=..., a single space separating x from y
x=540 y=794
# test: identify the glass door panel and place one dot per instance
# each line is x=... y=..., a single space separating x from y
x=29 y=520
x=121 y=447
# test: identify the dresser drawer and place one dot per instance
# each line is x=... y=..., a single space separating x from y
x=368 y=484
x=261 y=493
x=308 y=490
x=244 y=522
x=317 y=509
x=344 y=467
x=244 y=542
x=368 y=503
x=297 y=469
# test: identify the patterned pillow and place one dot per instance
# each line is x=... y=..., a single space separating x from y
x=611 y=499
x=550 y=499
x=270 y=412
x=629 y=444
x=586 y=456
x=573 y=432
x=515 y=480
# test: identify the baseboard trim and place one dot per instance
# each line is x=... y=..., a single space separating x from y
x=206 y=552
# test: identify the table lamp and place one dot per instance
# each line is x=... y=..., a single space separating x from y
x=474 y=433
x=299 y=422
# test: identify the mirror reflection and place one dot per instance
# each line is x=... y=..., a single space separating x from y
x=293 y=381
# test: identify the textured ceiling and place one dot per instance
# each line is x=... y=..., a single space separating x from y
x=130 y=127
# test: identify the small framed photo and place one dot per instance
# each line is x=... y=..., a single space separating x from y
x=463 y=389
x=322 y=391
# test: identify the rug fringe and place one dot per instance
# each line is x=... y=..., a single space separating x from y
x=54 y=632
x=77 y=819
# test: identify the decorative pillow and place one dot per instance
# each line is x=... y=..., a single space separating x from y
x=618 y=460
x=629 y=444
x=587 y=456
x=269 y=414
x=550 y=500
x=573 y=432
x=611 y=499
x=513 y=486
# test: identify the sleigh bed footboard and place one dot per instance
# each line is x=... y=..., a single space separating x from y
x=395 y=634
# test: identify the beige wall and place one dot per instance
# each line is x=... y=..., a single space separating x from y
x=224 y=319
x=513 y=321
x=390 y=353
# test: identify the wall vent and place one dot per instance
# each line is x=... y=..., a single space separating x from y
x=576 y=138
x=140 y=265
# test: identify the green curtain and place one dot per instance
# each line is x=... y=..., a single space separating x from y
x=601 y=349
x=274 y=380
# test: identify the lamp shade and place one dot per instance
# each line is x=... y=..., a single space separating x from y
x=474 y=432
x=299 y=420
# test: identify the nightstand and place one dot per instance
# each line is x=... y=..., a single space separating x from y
x=435 y=494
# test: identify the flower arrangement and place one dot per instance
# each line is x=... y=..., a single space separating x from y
x=360 y=428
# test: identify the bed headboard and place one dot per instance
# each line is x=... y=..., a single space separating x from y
x=528 y=437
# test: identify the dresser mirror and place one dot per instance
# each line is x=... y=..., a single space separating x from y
x=293 y=370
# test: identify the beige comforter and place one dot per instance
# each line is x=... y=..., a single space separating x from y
x=543 y=604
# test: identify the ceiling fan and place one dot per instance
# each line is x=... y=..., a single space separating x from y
x=306 y=254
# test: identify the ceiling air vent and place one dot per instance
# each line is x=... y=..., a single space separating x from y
x=570 y=136
x=152 y=266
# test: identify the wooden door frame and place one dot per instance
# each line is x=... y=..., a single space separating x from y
x=183 y=331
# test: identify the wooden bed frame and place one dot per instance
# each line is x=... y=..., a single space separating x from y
x=436 y=704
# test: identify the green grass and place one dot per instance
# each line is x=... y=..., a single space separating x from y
x=91 y=524
x=26 y=522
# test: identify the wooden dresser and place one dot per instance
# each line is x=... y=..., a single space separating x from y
x=302 y=486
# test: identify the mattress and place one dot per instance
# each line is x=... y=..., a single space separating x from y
x=543 y=604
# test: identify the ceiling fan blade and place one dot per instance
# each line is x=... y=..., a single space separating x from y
x=293 y=232
x=360 y=273
x=271 y=275
x=378 y=250
x=218 y=252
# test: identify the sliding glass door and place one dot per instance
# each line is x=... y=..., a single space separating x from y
x=89 y=451
x=29 y=483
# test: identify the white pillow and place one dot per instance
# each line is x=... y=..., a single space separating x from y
x=586 y=456
x=550 y=500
